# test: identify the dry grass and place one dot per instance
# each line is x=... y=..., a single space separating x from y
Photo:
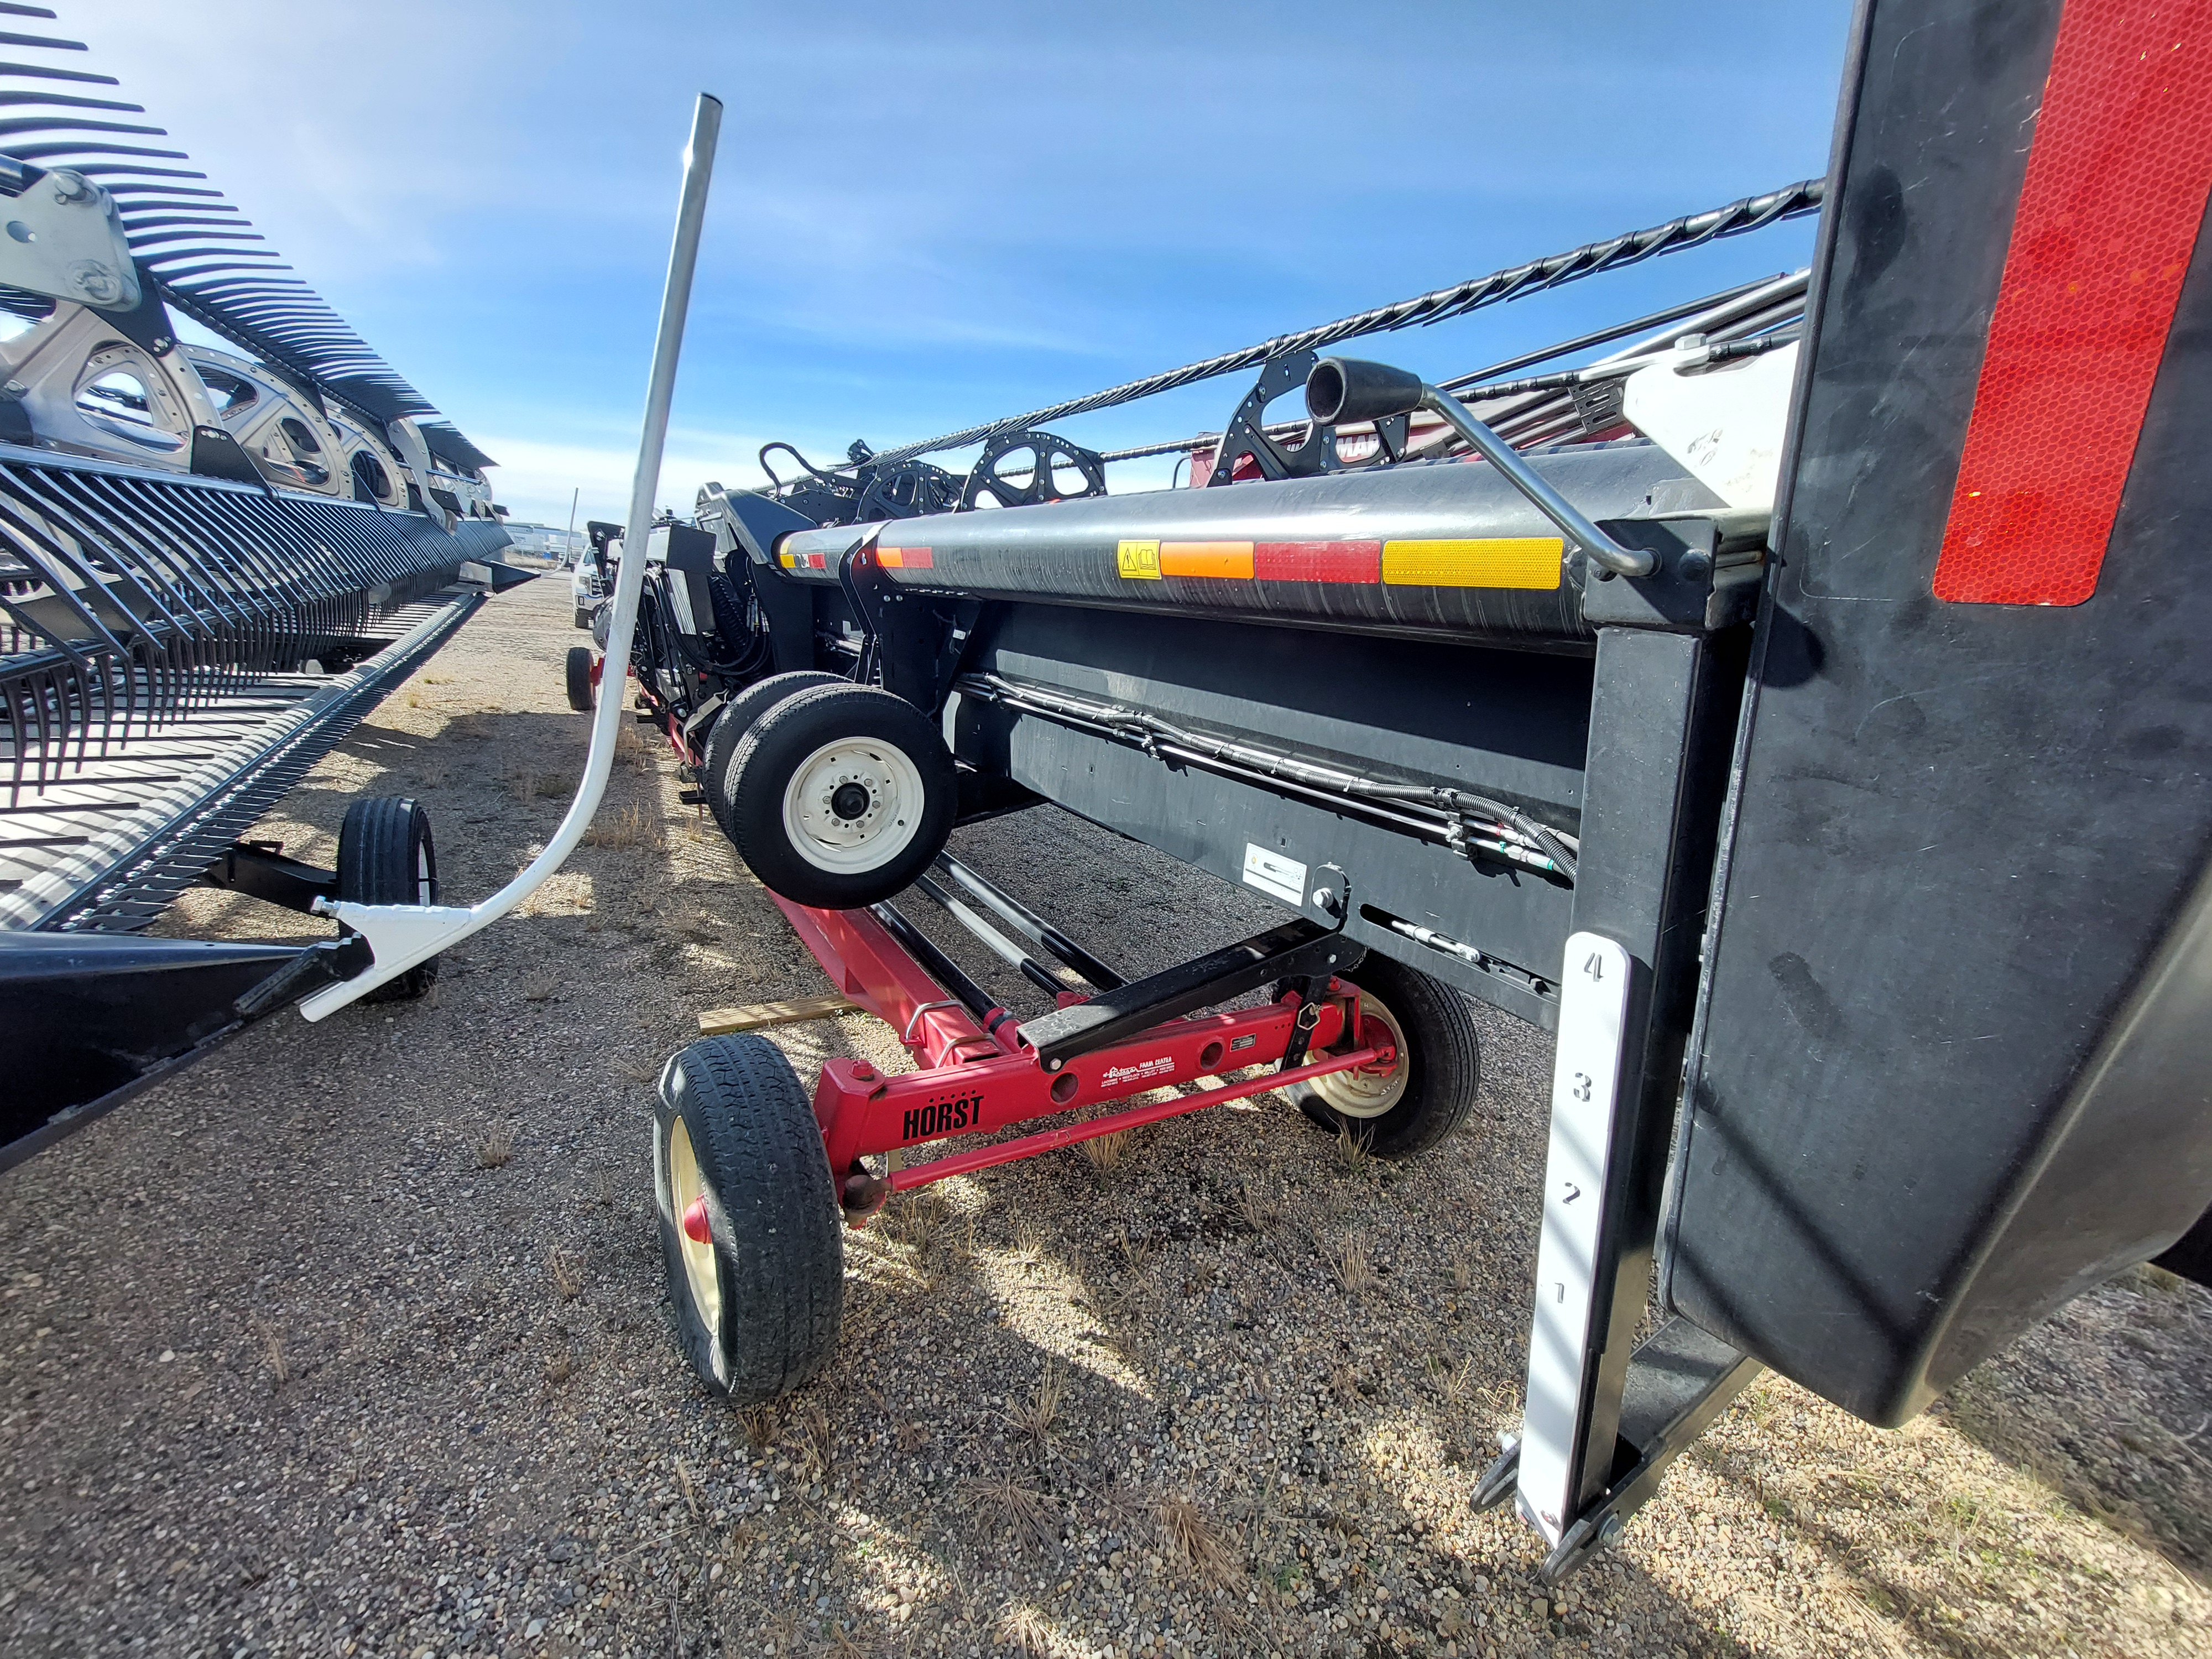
x=1106 y=1153
x=540 y=987
x=1026 y=1631
x=628 y=831
x=1028 y=1242
x=924 y=1225
x=272 y=1353
x=1352 y=1155
x=567 y=1273
x=495 y=1147
x=1193 y=1537
x=522 y=784
x=1255 y=1209
x=1019 y=1511
x=1134 y=1250
x=643 y=1074
x=812 y=1439
x=693 y=1499
x=759 y=1426
x=560 y=1367
x=1037 y=1419
x=1347 y=1259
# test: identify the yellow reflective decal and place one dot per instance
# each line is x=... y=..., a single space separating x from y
x=1494 y=561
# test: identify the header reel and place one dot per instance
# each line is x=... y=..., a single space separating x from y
x=1022 y=468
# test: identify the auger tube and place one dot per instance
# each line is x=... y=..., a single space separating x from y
x=401 y=935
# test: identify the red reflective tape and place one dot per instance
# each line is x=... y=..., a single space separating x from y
x=1318 y=562
x=2109 y=213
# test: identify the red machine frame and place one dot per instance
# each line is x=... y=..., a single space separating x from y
x=978 y=1078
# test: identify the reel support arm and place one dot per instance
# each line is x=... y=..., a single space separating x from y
x=402 y=935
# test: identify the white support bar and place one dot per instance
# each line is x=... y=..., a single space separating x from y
x=1585 y=1084
x=401 y=935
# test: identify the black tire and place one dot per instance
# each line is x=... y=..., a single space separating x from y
x=582 y=694
x=583 y=617
x=762 y=1317
x=738 y=716
x=1439 y=1060
x=387 y=856
x=879 y=752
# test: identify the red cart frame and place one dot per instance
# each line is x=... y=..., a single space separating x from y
x=978 y=1075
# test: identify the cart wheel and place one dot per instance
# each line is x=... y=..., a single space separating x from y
x=738 y=716
x=385 y=856
x=1428 y=1093
x=580 y=688
x=841 y=796
x=749 y=1221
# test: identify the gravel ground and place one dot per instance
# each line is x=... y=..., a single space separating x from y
x=351 y=1339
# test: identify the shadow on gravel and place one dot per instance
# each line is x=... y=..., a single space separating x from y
x=2108 y=1403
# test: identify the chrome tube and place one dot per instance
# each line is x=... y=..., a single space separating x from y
x=1572 y=522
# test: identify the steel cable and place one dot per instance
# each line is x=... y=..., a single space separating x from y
x=1691 y=230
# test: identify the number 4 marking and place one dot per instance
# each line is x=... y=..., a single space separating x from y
x=1595 y=967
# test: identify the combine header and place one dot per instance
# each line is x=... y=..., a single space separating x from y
x=211 y=566
x=1794 y=700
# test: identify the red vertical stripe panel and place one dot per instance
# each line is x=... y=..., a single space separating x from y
x=2109 y=215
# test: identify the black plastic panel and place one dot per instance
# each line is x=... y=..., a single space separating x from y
x=1954 y=1065
x=1510 y=725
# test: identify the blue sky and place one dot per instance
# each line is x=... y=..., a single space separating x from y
x=926 y=215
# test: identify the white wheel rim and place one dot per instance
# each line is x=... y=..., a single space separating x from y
x=686 y=1187
x=1368 y=1094
x=422 y=882
x=818 y=805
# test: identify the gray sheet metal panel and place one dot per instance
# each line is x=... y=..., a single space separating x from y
x=1504 y=722
x=1065 y=552
x=1964 y=832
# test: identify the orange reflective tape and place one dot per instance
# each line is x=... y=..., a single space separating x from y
x=1232 y=559
x=906 y=558
x=1531 y=562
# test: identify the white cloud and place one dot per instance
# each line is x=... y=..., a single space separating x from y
x=535 y=477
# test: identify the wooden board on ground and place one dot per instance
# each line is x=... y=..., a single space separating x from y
x=720 y=1022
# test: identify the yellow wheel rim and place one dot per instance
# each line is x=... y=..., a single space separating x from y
x=686 y=1187
x=1368 y=1094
